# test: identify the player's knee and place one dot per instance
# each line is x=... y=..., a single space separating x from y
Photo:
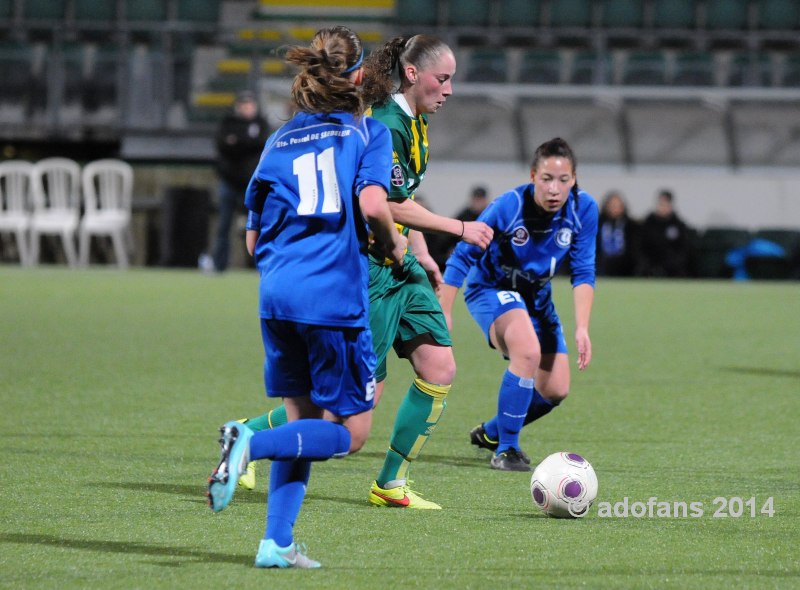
x=357 y=443
x=525 y=363
x=357 y=440
x=556 y=396
x=442 y=372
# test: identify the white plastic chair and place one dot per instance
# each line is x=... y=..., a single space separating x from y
x=56 y=204
x=15 y=205
x=107 y=195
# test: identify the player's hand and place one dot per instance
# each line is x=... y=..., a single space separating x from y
x=448 y=317
x=432 y=269
x=584 y=346
x=447 y=295
x=397 y=253
x=478 y=234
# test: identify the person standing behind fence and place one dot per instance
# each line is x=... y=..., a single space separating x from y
x=442 y=245
x=315 y=204
x=665 y=241
x=617 y=238
x=239 y=140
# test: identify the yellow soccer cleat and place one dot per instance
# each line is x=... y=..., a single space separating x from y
x=248 y=479
x=399 y=497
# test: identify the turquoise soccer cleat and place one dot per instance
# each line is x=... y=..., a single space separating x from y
x=235 y=454
x=272 y=555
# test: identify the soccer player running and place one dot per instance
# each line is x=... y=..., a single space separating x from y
x=509 y=294
x=406 y=79
x=322 y=178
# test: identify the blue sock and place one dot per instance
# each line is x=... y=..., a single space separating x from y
x=491 y=428
x=538 y=408
x=312 y=439
x=287 y=488
x=512 y=406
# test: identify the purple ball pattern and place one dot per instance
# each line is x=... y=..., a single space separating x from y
x=573 y=489
x=577 y=458
x=538 y=496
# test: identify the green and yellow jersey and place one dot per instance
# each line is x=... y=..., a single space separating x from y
x=409 y=147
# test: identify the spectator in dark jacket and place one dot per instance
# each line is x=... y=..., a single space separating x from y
x=441 y=246
x=240 y=140
x=617 y=238
x=665 y=241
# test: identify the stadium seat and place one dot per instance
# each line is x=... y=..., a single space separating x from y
x=750 y=69
x=199 y=11
x=570 y=13
x=72 y=59
x=778 y=15
x=99 y=87
x=55 y=187
x=15 y=205
x=540 y=66
x=622 y=22
x=768 y=268
x=95 y=19
x=6 y=9
x=674 y=14
x=15 y=72
x=520 y=13
x=726 y=14
x=645 y=68
x=789 y=239
x=694 y=69
x=95 y=12
x=107 y=197
x=468 y=13
x=141 y=11
x=50 y=10
x=488 y=65
x=418 y=12
x=622 y=13
x=712 y=246
x=791 y=71
x=590 y=67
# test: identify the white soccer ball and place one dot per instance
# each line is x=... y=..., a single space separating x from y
x=564 y=485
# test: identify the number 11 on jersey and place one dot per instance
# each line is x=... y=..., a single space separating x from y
x=306 y=168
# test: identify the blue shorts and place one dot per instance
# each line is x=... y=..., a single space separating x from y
x=335 y=366
x=486 y=305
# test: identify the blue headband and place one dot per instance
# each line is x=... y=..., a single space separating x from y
x=356 y=65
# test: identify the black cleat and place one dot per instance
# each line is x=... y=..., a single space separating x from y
x=477 y=436
x=510 y=460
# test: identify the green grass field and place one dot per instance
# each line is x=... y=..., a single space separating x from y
x=113 y=386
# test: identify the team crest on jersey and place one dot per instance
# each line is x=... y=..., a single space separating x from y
x=520 y=236
x=564 y=237
x=397 y=176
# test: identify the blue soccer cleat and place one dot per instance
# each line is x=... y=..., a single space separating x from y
x=235 y=454
x=270 y=554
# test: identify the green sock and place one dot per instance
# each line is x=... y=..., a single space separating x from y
x=416 y=419
x=272 y=419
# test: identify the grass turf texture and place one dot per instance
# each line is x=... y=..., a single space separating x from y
x=113 y=386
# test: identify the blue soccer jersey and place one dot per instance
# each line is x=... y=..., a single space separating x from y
x=529 y=247
x=306 y=186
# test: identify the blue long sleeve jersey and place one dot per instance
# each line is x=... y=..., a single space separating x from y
x=529 y=247
x=311 y=250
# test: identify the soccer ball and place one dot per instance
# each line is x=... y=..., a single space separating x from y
x=564 y=485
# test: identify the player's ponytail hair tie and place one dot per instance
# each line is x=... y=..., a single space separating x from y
x=356 y=65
